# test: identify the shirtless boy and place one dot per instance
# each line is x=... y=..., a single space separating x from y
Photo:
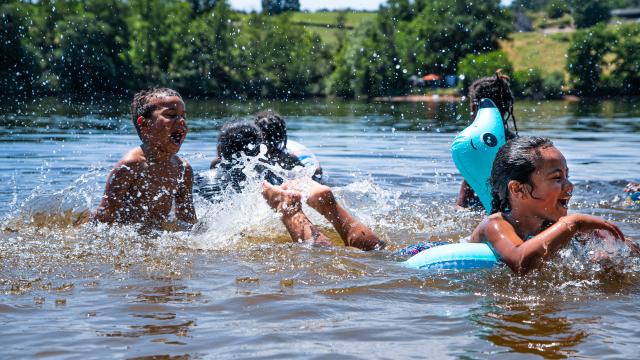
x=150 y=179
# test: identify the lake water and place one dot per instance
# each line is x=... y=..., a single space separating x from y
x=240 y=288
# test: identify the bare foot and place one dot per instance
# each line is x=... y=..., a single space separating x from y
x=286 y=202
x=321 y=198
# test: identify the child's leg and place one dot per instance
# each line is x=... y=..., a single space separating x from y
x=353 y=232
x=288 y=203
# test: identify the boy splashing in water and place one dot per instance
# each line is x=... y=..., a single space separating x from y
x=151 y=179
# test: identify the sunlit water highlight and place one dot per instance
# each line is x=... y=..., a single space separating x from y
x=238 y=287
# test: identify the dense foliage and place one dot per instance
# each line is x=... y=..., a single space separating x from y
x=204 y=48
x=606 y=60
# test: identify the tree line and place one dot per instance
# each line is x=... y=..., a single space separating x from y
x=204 y=48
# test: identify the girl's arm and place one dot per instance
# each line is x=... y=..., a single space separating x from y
x=464 y=195
x=523 y=256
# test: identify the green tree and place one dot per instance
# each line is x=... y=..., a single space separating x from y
x=556 y=8
x=473 y=67
x=626 y=62
x=529 y=4
x=587 y=13
x=158 y=31
x=370 y=66
x=19 y=70
x=280 y=59
x=275 y=7
x=445 y=31
x=586 y=58
x=85 y=64
x=208 y=63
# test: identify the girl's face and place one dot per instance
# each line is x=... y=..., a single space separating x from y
x=549 y=198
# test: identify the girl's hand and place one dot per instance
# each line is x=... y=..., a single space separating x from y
x=586 y=223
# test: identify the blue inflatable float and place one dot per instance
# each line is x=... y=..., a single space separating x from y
x=473 y=152
x=306 y=157
x=475 y=148
x=454 y=256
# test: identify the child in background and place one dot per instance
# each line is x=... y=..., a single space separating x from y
x=497 y=89
x=236 y=140
x=274 y=136
x=531 y=191
x=633 y=193
x=151 y=179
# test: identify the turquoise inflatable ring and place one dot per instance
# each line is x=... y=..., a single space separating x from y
x=454 y=256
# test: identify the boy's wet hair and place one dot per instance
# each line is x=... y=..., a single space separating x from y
x=143 y=105
x=516 y=160
x=273 y=128
x=498 y=89
x=239 y=137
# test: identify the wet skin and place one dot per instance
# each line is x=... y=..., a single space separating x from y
x=539 y=214
x=288 y=204
x=145 y=183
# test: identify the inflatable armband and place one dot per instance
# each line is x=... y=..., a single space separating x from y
x=454 y=256
x=475 y=148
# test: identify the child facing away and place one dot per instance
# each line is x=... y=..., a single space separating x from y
x=497 y=89
x=151 y=179
x=236 y=141
x=531 y=191
x=273 y=129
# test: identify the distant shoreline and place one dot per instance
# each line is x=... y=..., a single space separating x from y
x=420 y=98
x=433 y=98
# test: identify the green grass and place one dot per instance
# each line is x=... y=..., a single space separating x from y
x=316 y=23
x=537 y=50
x=352 y=18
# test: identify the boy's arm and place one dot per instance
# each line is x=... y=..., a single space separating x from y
x=184 y=198
x=119 y=181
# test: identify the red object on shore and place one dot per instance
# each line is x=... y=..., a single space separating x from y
x=432 y=77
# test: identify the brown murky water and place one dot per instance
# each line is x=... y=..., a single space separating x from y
x=239 y=288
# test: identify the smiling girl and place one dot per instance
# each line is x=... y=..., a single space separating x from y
x=531 y=191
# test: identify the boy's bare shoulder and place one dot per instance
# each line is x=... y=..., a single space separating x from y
x=133 y=160
x=182 y=162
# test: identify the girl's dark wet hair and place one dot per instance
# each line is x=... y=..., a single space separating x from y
x=239 y=137
x=143 y=105
x=498 y=89
x=516 y=160
x=273 y=128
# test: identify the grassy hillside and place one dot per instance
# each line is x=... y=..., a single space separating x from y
x=352 y=18
x=537 y=50
x=525 y=50
x=323 y=23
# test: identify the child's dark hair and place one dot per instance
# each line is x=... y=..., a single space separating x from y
x=237 y=137
x=498 y=89
x=142 y=104
x=516 y=160
x=273 y=128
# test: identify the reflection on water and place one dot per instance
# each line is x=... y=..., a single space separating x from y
x=532 y=328
x=238 y=285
